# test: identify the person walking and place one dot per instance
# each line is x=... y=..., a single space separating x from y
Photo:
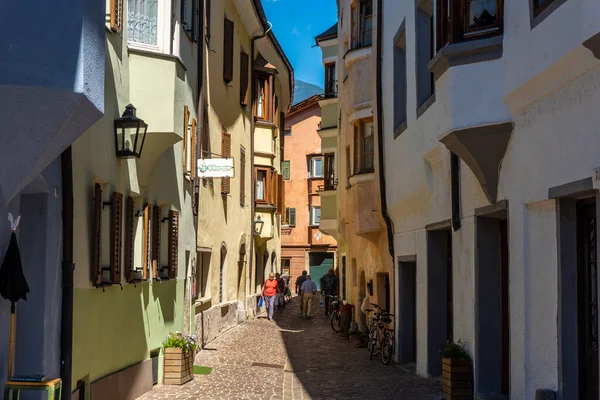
x=308 y=289
x=299 y=281
x=329 y=287
x=280 y=291
x=269 y=293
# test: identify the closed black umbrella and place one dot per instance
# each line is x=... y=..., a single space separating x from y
x=13 y=285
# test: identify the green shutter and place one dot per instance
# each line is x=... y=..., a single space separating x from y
x=285 y=169
x=291 y=216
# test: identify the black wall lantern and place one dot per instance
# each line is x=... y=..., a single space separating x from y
x=130 y=133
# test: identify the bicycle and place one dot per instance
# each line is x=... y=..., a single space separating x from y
x=381 y=338
x=335 y=313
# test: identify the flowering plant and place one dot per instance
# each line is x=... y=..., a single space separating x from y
x=180 y=341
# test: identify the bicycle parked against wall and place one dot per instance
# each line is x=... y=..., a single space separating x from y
x=381 y=336
x=335 y=313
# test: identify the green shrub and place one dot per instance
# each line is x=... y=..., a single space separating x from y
x=454 y=350
x=178 y=340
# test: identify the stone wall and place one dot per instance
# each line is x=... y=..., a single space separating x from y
x=216 y=320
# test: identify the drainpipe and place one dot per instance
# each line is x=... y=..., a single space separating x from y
x=455 y=187
x=380 y=147
x=252 y=187
x=68 y=267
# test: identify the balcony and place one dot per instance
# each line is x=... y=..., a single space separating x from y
x=329 y=213
x=365 y=205
x=328 y=186
x=155 y=76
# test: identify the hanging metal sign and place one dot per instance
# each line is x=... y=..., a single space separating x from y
x=215 y=168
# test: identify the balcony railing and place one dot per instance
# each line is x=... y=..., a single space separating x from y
x=329 y=185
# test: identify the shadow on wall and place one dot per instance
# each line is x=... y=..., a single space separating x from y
x=165 y=292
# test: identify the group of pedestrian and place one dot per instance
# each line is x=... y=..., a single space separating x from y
x=273 y=293
x=274 y=290
x=306 y=288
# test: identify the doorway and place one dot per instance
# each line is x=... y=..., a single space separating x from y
x=587 y=299
x=440 y=304
x=492 y=304
x=319 y=265
x=407 y=314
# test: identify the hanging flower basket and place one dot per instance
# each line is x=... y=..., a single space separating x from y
x=179 y=359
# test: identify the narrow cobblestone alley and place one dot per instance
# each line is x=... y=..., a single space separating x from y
x=294 y=358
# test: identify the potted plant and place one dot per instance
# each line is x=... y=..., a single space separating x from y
x=179 y=358
x=457 y=371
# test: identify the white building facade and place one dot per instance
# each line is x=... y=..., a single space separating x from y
x=490 y=125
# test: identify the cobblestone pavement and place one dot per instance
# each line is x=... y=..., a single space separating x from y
x=294 y=358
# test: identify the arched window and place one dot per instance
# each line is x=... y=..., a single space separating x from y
x=221 y=268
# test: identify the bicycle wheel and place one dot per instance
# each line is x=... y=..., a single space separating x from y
x=335 y=321
x=387 y=348
x=371 y=340
x=375 y=347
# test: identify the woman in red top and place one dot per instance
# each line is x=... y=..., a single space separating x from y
x=269 y=292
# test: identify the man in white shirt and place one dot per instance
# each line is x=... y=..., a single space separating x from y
x=308 y=290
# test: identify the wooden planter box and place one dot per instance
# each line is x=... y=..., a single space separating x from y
x=457 y=378
x=178 y=366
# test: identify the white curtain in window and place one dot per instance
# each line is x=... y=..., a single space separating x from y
x=260 y=185
x=317 y=168
x=479 y=6
x=260 y=101
x=142 y=21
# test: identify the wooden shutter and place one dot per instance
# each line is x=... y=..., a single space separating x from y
x=225 y=153
x=193 y=160
x=205 y=147
x=116 y=15
x=275 y=116
x=147 y=243
x=242 y=177
x=173 y=243
x=279 y=194
x=116 y=241
x=282 y=198
x=244 y=78
x=285 y=169
x=129 y=229
x=186 y=121
x=228 y=51
x=273 y=191
x=156 y=217
x=97 y=236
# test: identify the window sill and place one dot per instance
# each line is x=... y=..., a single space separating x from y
x=363 y=177
x=401 y=128
x=463 y=53
x=535 y=20
x=203 y=300
x=425 y=106
x=356 y=54
x=150 y=51
x=264 y=123
x=265 y=207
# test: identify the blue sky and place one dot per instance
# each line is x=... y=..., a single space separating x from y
x=296 y=23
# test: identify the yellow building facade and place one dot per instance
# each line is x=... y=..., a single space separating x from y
x=246 y=90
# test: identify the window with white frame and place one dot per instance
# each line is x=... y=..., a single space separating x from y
x=315 y=216
x=142 y=21
x=315 y=169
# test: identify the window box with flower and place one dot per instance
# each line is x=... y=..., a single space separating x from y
x=180 y=350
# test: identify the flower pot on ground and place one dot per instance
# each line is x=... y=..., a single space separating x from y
x=179 y=359
x=457 y=372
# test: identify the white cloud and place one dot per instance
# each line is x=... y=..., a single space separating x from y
x=295 y=31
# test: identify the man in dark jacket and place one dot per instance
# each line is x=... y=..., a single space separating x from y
x=329 y=287
x=299 y=281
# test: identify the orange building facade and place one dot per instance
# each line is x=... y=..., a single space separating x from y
x=305 y=168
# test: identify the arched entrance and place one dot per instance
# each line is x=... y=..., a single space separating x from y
x=274 y=262
x=362 y=292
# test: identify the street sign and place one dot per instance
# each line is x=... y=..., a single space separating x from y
x=215 y=168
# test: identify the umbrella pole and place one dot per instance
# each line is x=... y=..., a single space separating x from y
x=12 y=339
